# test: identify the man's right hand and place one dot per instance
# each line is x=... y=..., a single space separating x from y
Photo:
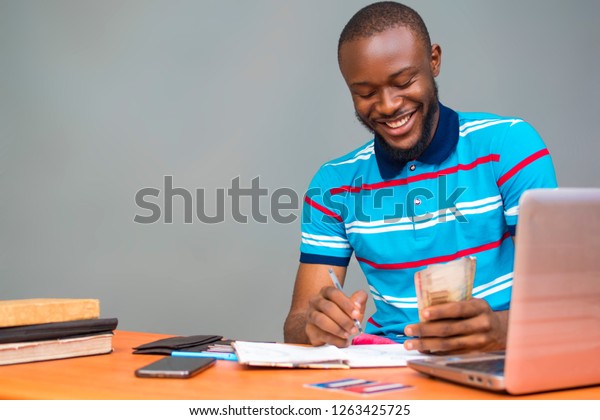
x=331 y=314
x=320 y=313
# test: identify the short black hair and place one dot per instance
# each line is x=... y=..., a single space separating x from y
x=379 y=17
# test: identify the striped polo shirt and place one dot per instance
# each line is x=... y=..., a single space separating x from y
x=459 y=198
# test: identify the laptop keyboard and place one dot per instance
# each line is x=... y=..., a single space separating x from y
x=491 y=366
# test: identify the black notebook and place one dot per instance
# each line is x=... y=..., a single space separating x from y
x=56 y=330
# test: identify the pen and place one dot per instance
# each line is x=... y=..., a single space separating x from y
x=216 y=355
x=337 y=284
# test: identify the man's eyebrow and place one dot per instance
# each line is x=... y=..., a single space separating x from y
x=391 y=76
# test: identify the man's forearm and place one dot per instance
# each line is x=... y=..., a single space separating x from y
x=294 y=329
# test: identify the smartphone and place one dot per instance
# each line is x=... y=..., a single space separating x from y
x=175 y=367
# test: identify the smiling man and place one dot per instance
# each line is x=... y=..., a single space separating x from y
x=433 y=185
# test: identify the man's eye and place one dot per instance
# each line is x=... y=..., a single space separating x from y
x=404 y=85
x=365 y=95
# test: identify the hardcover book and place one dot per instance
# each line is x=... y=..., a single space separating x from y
x=40 y=311
x=34 y=351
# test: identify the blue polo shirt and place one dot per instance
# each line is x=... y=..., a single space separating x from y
x=459 y=198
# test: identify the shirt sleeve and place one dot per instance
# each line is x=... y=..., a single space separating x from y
x=324 y=239
x=524 y=164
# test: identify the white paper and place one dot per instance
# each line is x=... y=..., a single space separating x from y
x=379 y=355
x=279 y=354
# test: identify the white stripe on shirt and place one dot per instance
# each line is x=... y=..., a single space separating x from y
x=325 y=244
x=363 y=154
x=513 y=211
x=476 y=122
x=489 y=124
x=324 y=237
x=449 y=215
x=460 y=206
x=357 y=158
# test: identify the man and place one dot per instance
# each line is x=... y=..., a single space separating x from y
x=432 y=186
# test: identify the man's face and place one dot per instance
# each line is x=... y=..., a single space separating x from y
x=391 y=79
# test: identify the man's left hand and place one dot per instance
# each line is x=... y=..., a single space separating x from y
x=458 y=327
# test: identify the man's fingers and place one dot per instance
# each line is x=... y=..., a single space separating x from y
x=459 y=344
x=346 y=304
x=360 y=301
x=360 y=296
x=344 y=311
x=329 y=318
x=331 y=315
x=449 y=328
x=318 y=337
x=483 y=331
x=464 y=309
x=331 y=312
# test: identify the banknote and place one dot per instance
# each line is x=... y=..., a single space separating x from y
x=447 y=282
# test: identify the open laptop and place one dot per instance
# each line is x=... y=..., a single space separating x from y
x=554 y=323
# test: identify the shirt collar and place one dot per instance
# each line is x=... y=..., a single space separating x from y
x=443 y=143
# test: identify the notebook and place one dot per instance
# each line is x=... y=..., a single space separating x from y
x=323 y=357
x=554 y=324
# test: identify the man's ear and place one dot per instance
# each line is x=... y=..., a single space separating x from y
x=436 y=59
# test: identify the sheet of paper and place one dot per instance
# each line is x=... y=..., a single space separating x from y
x=274 y=354
x=379 y=355
x=278 y=354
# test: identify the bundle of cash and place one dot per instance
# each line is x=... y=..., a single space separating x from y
x=441 y=283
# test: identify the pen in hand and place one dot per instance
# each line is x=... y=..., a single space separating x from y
x=338 y=286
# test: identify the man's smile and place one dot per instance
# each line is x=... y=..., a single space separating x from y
x=399 y=121
x=398 y=126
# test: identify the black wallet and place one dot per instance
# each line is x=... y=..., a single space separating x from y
x=182 y=343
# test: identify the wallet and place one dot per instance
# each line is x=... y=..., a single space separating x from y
x=181 y=343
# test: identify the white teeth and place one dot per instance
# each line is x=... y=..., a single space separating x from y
x=398 y=123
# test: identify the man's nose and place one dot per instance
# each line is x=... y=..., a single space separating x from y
x=389 y=102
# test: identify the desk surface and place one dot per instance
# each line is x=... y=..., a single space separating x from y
x=111 y=377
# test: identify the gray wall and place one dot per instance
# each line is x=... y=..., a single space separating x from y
x=101 y=99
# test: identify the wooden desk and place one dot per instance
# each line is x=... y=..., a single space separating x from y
x=111 y=377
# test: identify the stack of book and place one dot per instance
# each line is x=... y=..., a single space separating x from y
x=46 y=329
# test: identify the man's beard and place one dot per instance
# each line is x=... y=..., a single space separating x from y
x=403 y=156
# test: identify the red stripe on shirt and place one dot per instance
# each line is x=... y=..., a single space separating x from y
x=321 y=208
x=372 y=322
x=344 y=189
x=521 y=165
x=429 y=175
x=435 y=260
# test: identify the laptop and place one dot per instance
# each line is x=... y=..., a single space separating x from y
x=554 y=323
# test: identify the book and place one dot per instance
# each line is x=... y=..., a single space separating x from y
x=34 y=351
x=40 y=311
x=54 y=330
x=323 y=357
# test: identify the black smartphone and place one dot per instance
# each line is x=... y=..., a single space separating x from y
x=175 y=367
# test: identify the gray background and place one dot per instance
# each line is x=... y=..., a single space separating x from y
x=100 y=99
